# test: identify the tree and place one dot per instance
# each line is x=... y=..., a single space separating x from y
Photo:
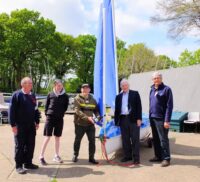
x=121 y=53
x=28 y=45
x=67 y=48
x=188 y=58
x=164 y=62
x=138 y=58
x=84 y=63
x=183 y=16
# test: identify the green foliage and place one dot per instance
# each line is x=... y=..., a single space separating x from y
x=188 y=58
x=138 y=58
x=84 y=63
x=165 y=62
x=121 y=53
x=26 y=47
x=72 y=85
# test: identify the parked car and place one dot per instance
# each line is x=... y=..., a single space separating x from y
x=70 y=109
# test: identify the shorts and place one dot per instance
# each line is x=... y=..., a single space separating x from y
x=53 y=126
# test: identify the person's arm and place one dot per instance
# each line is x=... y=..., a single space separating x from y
x=139 y=109
x=12 y=110
x=47 y=104
x=116 y=114
x=139 y=106
x=37 y=114
x=169 y=107
x=12 y=113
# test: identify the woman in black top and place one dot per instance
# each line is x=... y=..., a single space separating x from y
x=56 y=105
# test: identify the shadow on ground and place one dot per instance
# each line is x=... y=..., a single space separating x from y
x=66 y=172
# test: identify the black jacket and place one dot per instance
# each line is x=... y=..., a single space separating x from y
x=134 y=106
x=56 y=105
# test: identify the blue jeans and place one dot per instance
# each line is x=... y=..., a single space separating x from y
x=160 y=139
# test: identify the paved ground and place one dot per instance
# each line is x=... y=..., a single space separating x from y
x=185 y=166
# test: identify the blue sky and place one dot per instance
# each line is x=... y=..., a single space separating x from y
x=131 y=17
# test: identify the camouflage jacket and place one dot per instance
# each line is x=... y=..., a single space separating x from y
x=84 y=108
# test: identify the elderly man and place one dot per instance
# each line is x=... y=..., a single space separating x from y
x=85 y=107
x=24 y=119
x=128 y=115
x=161 y=106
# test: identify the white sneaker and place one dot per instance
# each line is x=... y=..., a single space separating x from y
x=58 y=159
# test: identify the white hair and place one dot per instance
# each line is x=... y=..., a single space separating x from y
x=156 y=74
x=25 y=80
x=124 y=81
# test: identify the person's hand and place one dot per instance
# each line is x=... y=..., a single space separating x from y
x=14 y=130
x=90 y=119
x=166 y=125
x=139 y=122
x=37 y=126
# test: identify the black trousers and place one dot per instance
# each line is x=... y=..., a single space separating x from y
x=24 y=145
x=160 y=139
x=79 y=133
x=130 y=138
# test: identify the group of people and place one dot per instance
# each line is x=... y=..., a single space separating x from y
x=24 y=118
x=128 y=115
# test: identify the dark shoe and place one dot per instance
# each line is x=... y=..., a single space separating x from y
x=155 y=159
x=31 y=166
x=20 y=170
x=43 y=162
x=165 y=163
x=74 y=158
x=93 y=161
x=126 y=159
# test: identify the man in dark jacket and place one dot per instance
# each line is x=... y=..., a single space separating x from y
x=85 y=107
x=24 y=119
x=128 y=115
x=56 y=105
x=160 y=111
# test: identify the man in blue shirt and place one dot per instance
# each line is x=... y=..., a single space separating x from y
x=160 y=111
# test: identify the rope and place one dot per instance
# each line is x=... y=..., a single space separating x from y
x=105 y=155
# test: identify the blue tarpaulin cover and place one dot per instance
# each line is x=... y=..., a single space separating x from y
x=112 y=131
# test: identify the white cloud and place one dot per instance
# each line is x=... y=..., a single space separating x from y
x=137 y=7
x=127 y=24
x=68 y=15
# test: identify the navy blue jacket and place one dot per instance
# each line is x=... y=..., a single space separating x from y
x=23 y=110
x=161 y=102
x=134 y=106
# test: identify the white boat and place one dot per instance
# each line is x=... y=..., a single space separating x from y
x=113 y=140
